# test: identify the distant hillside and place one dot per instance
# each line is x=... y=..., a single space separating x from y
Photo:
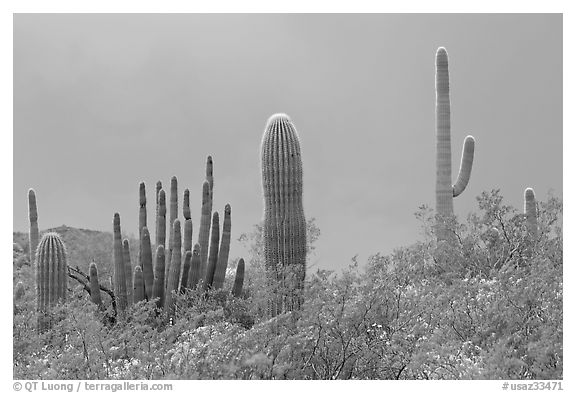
x=83 y=246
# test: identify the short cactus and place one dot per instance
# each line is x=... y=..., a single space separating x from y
x=119 y=268
x=239 y=280
x=445 y=191
x=51 y=275
x=284 y=222
x=530 y=212
x=127 y=269
x=213 y=257
x=34 y=235
x=146 y=259
x=224 y=251
x=139 y=293
x=204 y=231
x=158 y=287
x=175 y=264
x=95 y=295
x=19 y=291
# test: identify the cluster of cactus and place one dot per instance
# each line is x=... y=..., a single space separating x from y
x=445 y=191
x=284 y=221
x=180 y=265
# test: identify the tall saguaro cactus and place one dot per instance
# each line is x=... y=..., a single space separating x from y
x=445 y=191
x=173 y=216
x=194 y=272
x=530 y=212
x=34 y=235
x=224 y=251
x=284 y=222
x=146 y=259
x=204 y=231
x=51 y=275
x=158 y=287
x=161 y=220
x=128 y=271
x=174 y=272
x=119 y=268
x=213 y=257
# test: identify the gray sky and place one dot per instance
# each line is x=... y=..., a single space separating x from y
x=102 y=102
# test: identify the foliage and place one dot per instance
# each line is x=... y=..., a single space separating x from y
x=484 y=305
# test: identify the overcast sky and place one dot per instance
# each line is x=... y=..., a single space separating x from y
x=103 y=102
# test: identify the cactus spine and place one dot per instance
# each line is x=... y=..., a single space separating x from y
x=239 y=280
x=204 y=232
x=284 y=222
x=174 y=272
x=158 y=288
x=127 y=269
x=95 y=295
x=138 y=285
x=119 y=268
x=445 y=192
x=222 y=264
x=194 y=273
x=213 y=257
x=34 y=235
x=146 y=259
x=530 y=213
x=51 y=275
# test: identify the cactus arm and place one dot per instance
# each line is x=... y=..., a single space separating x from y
x=239 y=279
x=530 y=212
x=119 y=270
x=186 y=205
x=158 y=288
x=34 y=236
x=204 y=231
x=194 y=273
x=465 y=166
x=95 y=295
x=138 y=285
x=128 y=269
x=147 y=268
x=222 y=264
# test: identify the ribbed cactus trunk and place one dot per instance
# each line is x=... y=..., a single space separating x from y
x=194 y=273
x=174 y=273
x=127 y=269
x=34 y=235
x=141 y=219
x=158 y=188
x=213 y=256
x=239 y=280
x=224 y=251
x=284 y=222
x=445 y=192
x=51 y=276
x=185 y=270
x=146 y=259
x=530 y=213
x=173 y=216
x=95 y=295
x=139 y=293
x=158 y=288
x=119 y=268
x=161 y=220
x=204 y=231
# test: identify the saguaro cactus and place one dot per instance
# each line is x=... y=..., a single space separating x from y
x=19 y=291
x=222 y=264
x=174 y=273
x=213 y=257
x=530 y=212
x=239 y=280
x=284 y=222
x=158 y=289
x=161 y=220
x=138 y=285
x=187 y=241
x=185 y=270
x=142 y=213
x=119 y=268
x=173 y=216
x=194 y=273
x=204 y=231
x=127 y=270
x=33 y=218
x=147 y=267
x=51 y=275
x=95 y=295
x=445 y=191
